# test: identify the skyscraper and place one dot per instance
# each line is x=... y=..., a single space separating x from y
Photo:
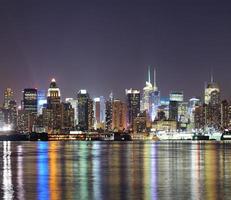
x=212 y=104
x=193 y=103
x=83 y=110
x=30 y=100
x=53 y=94
x=173 y=110
x=42 y=100
x=8 y=96
x=27 y=115
x=99 y=112
x=74 y=104
x=176 y=96
x=212 y=93
x=108 y=113
x=151 y=96
x=119 y=113
x=133 y=105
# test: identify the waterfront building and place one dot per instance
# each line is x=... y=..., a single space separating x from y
x=193 y=102
x=133 y=105
x=108 y=113
x=53 y=94
x=12 y=114
x=74 y=105
x=183 y=115
x=141 y=123
x=99 y=112
x=90 y=115
x=2 y=119
x=199 y=116
x=226 y=114
x=8 y=96
x=30 y=100
x=28 y=112
x=165 y=125
x=119 y=113
x=212 y=93
x=67 y=117
x=173 y=110
x=9 y=109
x=151 y=96
x=57 y=117
x=42 y=101
x=85 y=111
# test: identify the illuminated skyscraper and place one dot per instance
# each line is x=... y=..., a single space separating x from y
x=85 y=111
x=30 y=100
x=53 y=94
x=212 y=104
x=8 y=96
x=133 y=105
x=108 y=113
x=212 y=93
x=119 y=113
x=57 y=117
x=27 y=115
x=42 y=100
x=183 y=115
x=74 y=104
x=99 y=112
x=176 y=96
x=151 y=97
x=193 y=103
x=173 y=110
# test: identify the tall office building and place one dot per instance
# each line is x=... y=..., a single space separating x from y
x=176 y=96
x=90 y=115
x=173 y=110
x=133 y=105
x=99 y=112
x=212 y=93
x=83 y=112
x=27 y=115
x=8 y=96
x=119 y=113
x=213 y=104
x=57 y=117
x=193 y=103
x=151 y=96
x=42 y=100
x=74 y=104
x=30 y=100
x=183 y=115
x=53 y=94
x=108 y=113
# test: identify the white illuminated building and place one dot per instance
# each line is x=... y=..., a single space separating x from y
x=74 y=105
x=210 y=89
x=151 y=97
x=53 y=89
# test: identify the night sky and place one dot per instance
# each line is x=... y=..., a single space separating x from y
x=107 y=45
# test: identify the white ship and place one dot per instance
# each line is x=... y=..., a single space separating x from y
x=207 y=134
x=174 y=135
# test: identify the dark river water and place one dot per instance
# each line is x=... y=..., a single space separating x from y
x=115 y=170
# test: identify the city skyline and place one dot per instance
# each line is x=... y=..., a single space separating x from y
x=107 y=46
x=19 y=94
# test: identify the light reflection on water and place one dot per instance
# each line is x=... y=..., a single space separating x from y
x=115 y=170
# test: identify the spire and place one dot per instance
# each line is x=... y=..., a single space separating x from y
x=211 y=76
x=149 y=75
x=154 y=78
